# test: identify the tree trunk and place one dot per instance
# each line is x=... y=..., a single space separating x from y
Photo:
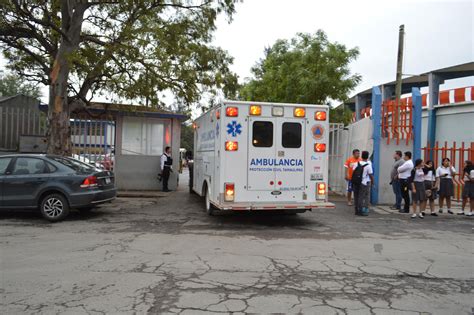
x=59 y=132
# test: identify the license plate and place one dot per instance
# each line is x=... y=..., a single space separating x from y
x=107 y=180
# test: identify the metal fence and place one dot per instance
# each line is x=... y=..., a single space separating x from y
x=457 y=153
x=20 y=121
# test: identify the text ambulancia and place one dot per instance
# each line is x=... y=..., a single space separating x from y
x=262 y=156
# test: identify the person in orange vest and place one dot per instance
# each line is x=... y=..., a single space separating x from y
x=349 y=165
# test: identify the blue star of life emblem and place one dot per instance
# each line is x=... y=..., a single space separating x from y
x=234 y=128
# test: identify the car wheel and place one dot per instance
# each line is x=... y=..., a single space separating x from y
x=54 y=207
x=209 y=206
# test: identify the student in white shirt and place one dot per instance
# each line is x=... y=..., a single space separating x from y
x=430 y=185
x=404 y=173
x=418 y=189
x=468 y=188
x=362 y=191
x=444 y=180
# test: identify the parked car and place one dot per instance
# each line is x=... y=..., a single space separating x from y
x=52 y=184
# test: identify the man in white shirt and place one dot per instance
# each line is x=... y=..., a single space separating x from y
x=166 y=167
x=404 y=174
x=362 y=191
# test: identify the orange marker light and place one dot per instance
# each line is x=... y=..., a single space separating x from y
x=232 y=112
x=231 y=145
x=320 y=116
x=299 y=112
x=218 y=114
x=194 y=125
x=255 y=110
x=320 y=147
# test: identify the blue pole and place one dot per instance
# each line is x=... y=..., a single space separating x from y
x=376 y=136
x=416 y=96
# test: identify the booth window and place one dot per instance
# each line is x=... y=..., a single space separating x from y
x=145 y=136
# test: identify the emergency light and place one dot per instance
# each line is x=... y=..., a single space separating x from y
x=299 y=112
x=232 y=112
x=229 y=191
x=320 y=116
x=320 y=147
x=321 y=188
x=255 y=110
x=231 y=145
x=218 y=114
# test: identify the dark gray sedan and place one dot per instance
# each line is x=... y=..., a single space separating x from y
x=52 y=184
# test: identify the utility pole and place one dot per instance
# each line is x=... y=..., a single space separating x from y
x=398 y=87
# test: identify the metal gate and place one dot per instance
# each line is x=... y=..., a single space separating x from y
x=336 y=158
x=93 y=139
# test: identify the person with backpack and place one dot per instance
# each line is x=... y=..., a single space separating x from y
x=404 y=174
x=350 y=165
x=417 y=180
x=444 y=180
x=362 y=180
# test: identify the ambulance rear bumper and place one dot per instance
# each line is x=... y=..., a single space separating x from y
x=258 y=206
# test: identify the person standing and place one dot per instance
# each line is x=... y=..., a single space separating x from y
x=418 y=189
x=362 y=189
x=404 y=173
x=166 y=168
x=444 y=180
x=394 y=181
x=468 y=188
x=350 y=166
x=430 y=185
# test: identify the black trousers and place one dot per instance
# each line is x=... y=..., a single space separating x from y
x=356 y=190
x=405 y=187
x=166 y=177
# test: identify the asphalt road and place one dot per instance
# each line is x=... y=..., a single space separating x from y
x=167 y=256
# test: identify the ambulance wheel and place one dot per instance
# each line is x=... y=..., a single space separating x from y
x=209 y=207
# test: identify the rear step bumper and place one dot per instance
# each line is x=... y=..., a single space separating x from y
x=274 y=206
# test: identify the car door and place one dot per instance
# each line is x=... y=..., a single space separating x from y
x=4 y=163
x=27 y=176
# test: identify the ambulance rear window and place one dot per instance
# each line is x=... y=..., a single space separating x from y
x=262 y=136
x=291 y=135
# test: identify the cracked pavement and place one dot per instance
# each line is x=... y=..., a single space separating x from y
x=165 y=256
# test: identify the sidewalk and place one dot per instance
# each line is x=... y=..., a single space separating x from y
x=456 y=207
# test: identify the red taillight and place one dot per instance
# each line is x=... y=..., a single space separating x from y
x=218 y=114
x=229 y=191
x=90 y=181
x=231 y=145
x=320 y=147
x=320 y=116
x=232 y=112
x=321 y=189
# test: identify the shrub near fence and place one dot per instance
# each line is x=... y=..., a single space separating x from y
x=457 y=155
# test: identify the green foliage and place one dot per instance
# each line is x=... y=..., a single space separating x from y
x=11 y=84
x=307 y=69
x=187 y=137
x=131 y=49
x=340 y=115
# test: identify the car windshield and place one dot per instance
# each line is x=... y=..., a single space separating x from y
x=76 y=165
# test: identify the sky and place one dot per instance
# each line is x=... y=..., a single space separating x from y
x=438 y=34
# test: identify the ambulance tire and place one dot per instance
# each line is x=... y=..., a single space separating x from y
x=209 y=207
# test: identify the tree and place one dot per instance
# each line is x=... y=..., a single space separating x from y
x=308 y=69
x=11 y=84
x=187 y=137
x=130 y=49
x=340 y=115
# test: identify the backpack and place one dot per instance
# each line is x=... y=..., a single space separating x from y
x=358 y=174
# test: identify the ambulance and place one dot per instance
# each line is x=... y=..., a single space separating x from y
x=254 y=156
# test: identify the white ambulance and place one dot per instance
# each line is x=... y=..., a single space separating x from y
x=262 y=156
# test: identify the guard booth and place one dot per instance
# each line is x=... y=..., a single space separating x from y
x=132 y=139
